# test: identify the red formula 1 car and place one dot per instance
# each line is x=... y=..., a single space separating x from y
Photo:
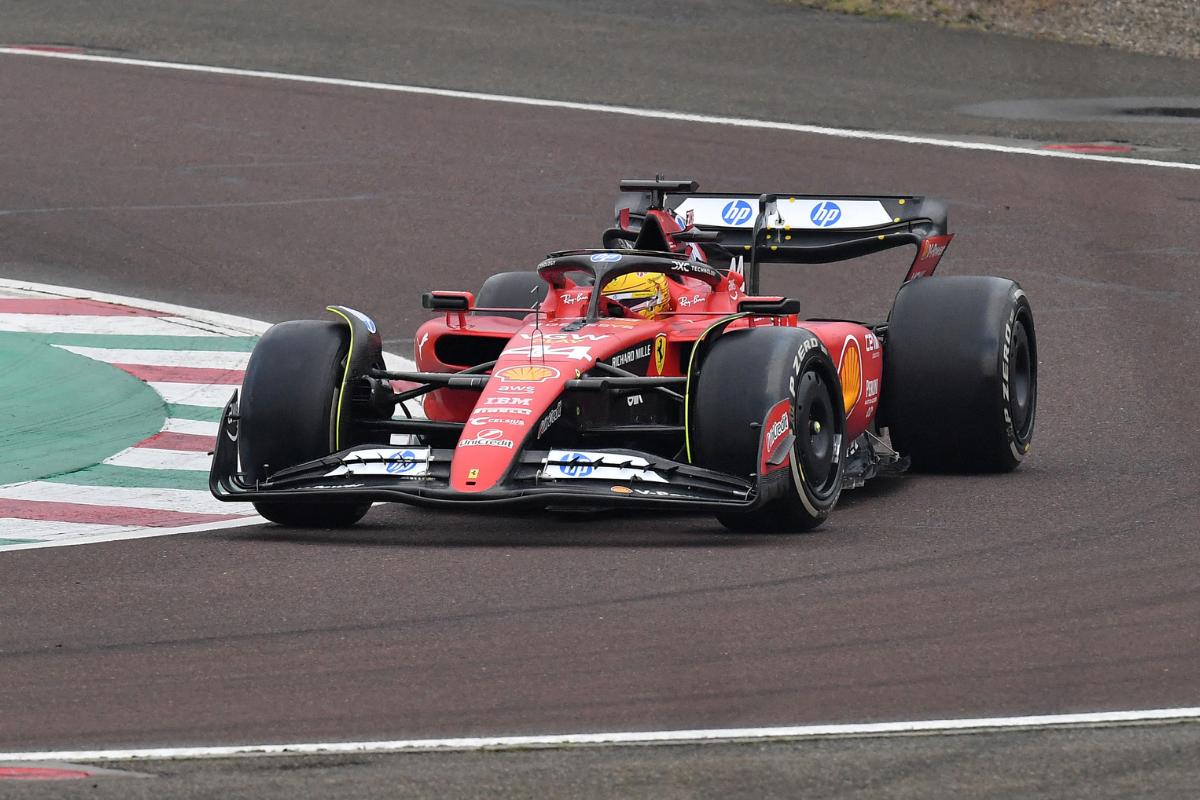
x=649 y=373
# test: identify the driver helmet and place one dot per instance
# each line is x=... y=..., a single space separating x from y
x=644 y=293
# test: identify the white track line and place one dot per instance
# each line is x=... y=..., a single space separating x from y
x=712 y=736
x=71 y=534
x=10 y=293
x=648 y=113
x=238 y=325
x=80 y=323
x=209 y=359
x=16 y=528
x=154 y=458
x=213 y=395
x=190 y=501
x=194 y=426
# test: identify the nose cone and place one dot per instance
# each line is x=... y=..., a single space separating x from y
x=508 y=409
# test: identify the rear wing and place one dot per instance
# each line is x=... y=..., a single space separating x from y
x=792 y=228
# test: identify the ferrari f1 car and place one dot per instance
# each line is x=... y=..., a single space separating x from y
x=649 y=373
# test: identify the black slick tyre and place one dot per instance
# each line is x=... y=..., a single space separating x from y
x=511 y=290
x=960 y=374
x=288 y=411
x=744 y=375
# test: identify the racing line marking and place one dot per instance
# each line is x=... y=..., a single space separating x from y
x=629 y=111
x=870 y=730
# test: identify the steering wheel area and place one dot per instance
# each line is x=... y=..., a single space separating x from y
x=607 y=265
x=610 y=309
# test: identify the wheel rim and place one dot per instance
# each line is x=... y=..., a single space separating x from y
x=817 y=437
x=1020 y=381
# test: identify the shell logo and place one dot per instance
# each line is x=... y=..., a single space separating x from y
x=850 y=373
x=527 y=373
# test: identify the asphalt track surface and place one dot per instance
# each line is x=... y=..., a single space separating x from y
x=1066 y=586
x=763 y=59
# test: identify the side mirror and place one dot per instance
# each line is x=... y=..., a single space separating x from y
x=697 y=235
x=448 y=301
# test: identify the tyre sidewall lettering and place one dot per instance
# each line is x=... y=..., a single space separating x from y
x=812 y=343
x=800 y=362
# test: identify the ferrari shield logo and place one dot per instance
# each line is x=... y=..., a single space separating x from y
x=472 y=474
x=660 y=352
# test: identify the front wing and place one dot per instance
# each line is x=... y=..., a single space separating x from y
x=539 y=478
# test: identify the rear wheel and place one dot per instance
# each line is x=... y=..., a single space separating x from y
x=745 y=375
x=288 y=411
x=960 y=374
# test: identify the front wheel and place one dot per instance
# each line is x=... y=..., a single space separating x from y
x=289 y=415
x=785 y=378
